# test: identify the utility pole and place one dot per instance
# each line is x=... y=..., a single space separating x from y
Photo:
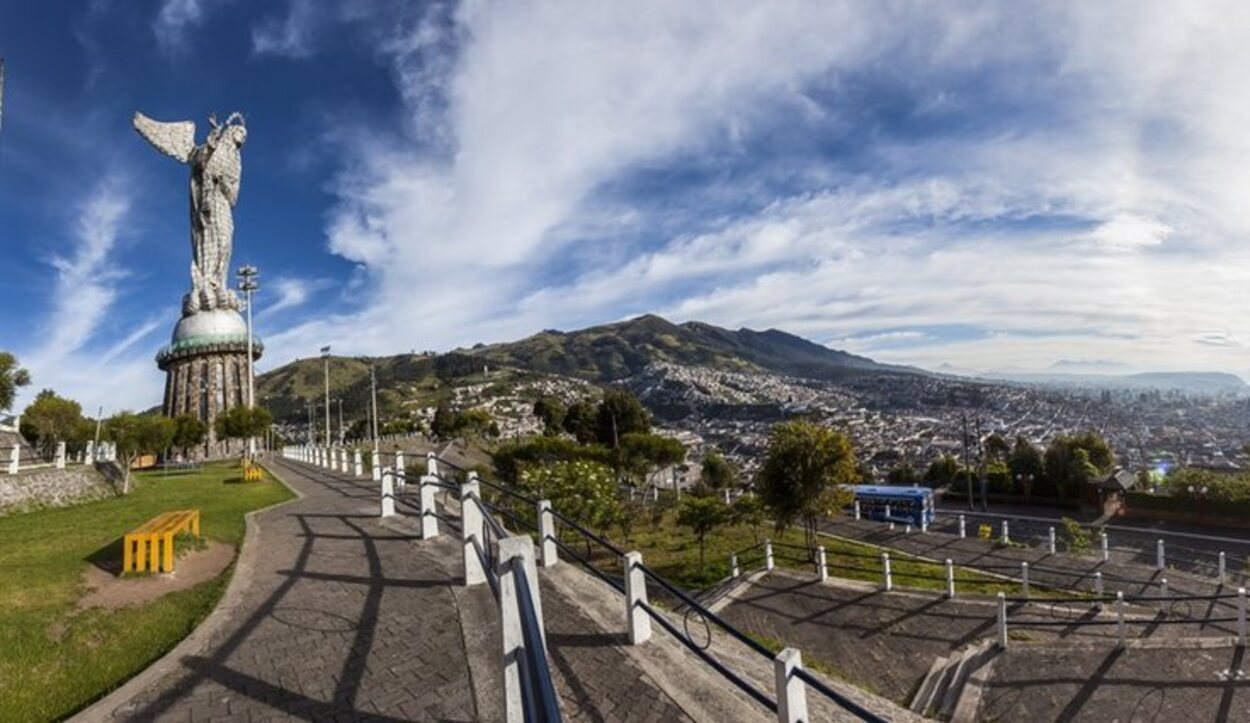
x=248 y=284
x=325 y=357
x=373 y=390
x=985 y=501
x=311 y=438
x=967 y=469
x=342 y=432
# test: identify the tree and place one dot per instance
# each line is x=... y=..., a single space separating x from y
x=474 y=423
x=583 y=490
x=189 y=431
x=444 y=425
x=803 y=473
x=903 y=474
x=51 y=419
x=749 y=510
x=702 y=515
x=136 y=435
x=1071 y=461
x=12 y=376
x=996 y=448
x=620 y=413
x=234 y=423
x=1025 y=464
x=580 y=421
x=718 y=472
x=642 y=454
x=942 y=471
x=550 y=411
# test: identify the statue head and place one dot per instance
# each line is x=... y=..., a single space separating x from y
x=233 y=130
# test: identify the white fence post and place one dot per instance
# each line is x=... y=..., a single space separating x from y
x=1052 y=541
x=963 y=527
x=857 y=514
x=60 y=455
x=1006 y=533
x=431 y=464
x=768 y=555
x=822 y=561
x=635 y=597
x=1241 y=616
x=388 y=493
x=950 y=579
x=511 y=626
x=358 y=467
x=13 y=459
x=1106 y=547
x=1160 y=557
x=1024 y=578
x=887 y=578
x=791 y=692
x=471 y=533
x=429 y=509
x=547 y=534
x=888 y=515
x=734 y=571
x=1119 y=616
x=90 y=458
x=1163 y=587
x=1098 y=590
x=1002 y=620
x=1223 y=569
x=377 y=466
x=400 y=469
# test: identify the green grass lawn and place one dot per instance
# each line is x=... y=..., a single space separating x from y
x=55 y=659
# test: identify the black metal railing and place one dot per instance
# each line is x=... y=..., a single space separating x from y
x=538 y=692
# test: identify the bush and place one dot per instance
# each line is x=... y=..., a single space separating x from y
x=1076 y=537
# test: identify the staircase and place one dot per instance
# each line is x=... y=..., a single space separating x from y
x=940 y=690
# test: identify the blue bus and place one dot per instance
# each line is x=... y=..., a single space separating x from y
x=895 y=504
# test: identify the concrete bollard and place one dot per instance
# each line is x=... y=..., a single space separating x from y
x=1241 y=617
x=1002 y=620
x=471 y=533
x=1106 y=547
x=887 y=578
x=950 y=579
x=60 y=455
x=635 y=598
x=1006 y=533
x=733 y=566
x=822 y=563
x=1051 y=545
x=358 y=467
x=791 y=692
x=1024 y=579
x=429 y=509
x=547 y=534
x=1119 y=617
x=769 y=562
x=1160 y=557
x=400 y=470
x=388 y=493
x=512 y=550
x=1223 y=573
x=963 y=527
x=857 y=514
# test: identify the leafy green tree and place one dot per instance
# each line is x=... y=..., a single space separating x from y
x=718 y=472
x=580 y=420
x=444 y=425
x=1072 y=460
x=12 y=376
x=902 y=474
x=1026 y=465
x=550 y=411
x=748 y=510
x=473 y=423
x=136 y=435
x=234 y=423
x=51 y=419
x=702 y=515
x=259 y=420
x=620 y=413
x=641 y=454
x=942 y=471
x=803 y=474
x=189 y=431
x=583 y=490
x=512 y=458
x=1077 y=537
x=996 y=448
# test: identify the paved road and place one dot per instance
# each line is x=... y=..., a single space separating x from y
x=343 y=619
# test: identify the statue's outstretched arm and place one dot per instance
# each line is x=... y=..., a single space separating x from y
x=176 y=140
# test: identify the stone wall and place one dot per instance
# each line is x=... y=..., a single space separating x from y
x=35 y=489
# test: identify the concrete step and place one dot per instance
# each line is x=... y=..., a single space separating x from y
x=973 y=657
x=923 y=699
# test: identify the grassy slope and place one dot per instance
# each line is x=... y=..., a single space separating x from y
x=55 y=659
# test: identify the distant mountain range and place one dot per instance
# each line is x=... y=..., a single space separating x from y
x=1203 y=383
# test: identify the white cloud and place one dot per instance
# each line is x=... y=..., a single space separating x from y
x=286 y=292
x=291 y=36
x=175 y=18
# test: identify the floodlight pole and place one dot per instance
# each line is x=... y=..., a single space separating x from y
x=325 y=356
x=248 y=284
x=373 y=390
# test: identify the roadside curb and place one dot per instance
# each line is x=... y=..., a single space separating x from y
x=244 y=567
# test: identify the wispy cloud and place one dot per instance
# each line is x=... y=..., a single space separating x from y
x=290 y=36
x=176 y=17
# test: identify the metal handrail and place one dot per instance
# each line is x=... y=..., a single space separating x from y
x=538 y=692
x=846 y=703
x=588 y=534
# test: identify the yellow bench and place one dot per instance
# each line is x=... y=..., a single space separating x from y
x=151 y=545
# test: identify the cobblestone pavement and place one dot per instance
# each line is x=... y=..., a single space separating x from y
x=343 y=619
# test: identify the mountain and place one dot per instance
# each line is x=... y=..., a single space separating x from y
x=1196 y=383
x=612 y=352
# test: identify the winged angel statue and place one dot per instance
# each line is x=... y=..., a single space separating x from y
x=216 y=167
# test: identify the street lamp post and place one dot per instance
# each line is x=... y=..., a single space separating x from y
x=247 y=284
x=373 y=391
x=342 y=432
x=325 y=357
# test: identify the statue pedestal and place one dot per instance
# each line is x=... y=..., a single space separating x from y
x=206 y=368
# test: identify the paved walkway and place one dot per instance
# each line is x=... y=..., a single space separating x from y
x=342 y=619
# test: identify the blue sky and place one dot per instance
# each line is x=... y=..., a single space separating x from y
x=988 y=185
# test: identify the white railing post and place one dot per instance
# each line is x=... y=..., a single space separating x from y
x=511 y=626
x=429 y=510
x=963 y=527
x=791 y=692
x=887 y=578
x=857 y=514
x=1024 y=579
x=60 y=455
x=769 y=562
x=888 y=515
x=547 y=534
x=400 y=469
x=924 y=522
x=358 y=467
x=1006 y=533
x=431 y=464
x=376 y=472
x=90 y=458
x=1223 y=569
x=13 y=459
x=1241 y=616
x=1002 y=620
x=1163 y=587
x=388 y=493
x=907 y=529
x=950 y=578
x=1119 y=617
x=635 y=598
x=1106 y=546
x=1098 y=592
x=734 y=570
x=1160 y=556
x=471 y=533
x=822 y=562
x=726 y=495
x=1051 y=545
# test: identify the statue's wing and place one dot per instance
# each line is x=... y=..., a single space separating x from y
x=175 y=140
